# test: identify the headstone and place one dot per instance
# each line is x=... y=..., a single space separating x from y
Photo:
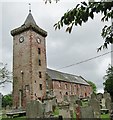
x=112 y=106
x=73 y=99
x=108 y=103
x=99 y=96
x=0 y=101
x=77 y=112
x=103 y=103
x=79 y=102
x=66 y=98
x=48 y=106
x=86 y=112
x=94 y=103
x=34 y=109
x=93 y=96
x=71 y=113
x=65 y=112
x=106 y=95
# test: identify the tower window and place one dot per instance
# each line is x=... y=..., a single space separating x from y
x=61 y=94
x=27 y=87
x=65 y=86
x=59 y=84
x=39 y=51
x=40 y=85
x=40 y=75
x=39 y=62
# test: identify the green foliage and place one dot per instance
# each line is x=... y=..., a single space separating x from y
x=109 y=81
x=7 y=100
x=94 y=88
x=56 y=111
x=81 y=14
x=105 y=116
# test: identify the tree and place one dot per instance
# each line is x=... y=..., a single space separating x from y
x=81 y=14
x=94 y=88
x=5 y=75
x=108 y=84
x=7 y=100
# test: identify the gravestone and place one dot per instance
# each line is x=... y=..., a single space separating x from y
x=66 y=98
x=0 y=101
x=64 y=111
x=48 y=106
x=73 y=99
x=79 y=102
x=94 y=103
x=112 y=106
x=99 y=96
x=93 y=96
x=35 y=109
x=77 y=111
x=86 y=112
x=106 y=95
x=103 y=103
x=108 y=103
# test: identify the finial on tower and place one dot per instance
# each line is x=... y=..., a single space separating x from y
x=29 y=7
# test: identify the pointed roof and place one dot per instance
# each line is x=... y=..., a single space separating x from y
x=29 y=24
x=30 y=20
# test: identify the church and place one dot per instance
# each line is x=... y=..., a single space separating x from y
x=31 y=77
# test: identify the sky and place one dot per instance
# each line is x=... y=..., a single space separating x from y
x=62 y=48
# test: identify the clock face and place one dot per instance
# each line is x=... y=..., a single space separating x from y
x=21 y=39
x=38 y=40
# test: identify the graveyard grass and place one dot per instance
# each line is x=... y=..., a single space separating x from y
x=56 y=113
x=16 y=118
x=103 y=116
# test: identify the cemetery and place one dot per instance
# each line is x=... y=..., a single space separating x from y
x=71 y=107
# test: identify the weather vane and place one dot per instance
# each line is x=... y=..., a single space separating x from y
x=29 y=7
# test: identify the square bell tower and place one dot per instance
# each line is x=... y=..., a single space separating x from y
x=29 y=63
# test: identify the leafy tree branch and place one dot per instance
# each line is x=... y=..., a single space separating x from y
x=83 y=12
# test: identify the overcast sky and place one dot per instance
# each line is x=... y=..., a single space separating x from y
x=62 y=48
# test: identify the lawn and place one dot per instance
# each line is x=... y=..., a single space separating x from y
x=16 y=118
x=103 y=116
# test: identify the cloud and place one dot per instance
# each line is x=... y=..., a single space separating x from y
x=62 y=48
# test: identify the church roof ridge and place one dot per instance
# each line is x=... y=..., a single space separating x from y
x=61 y=76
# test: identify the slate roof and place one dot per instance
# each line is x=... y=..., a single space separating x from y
x=29 y=24
x=60 y=76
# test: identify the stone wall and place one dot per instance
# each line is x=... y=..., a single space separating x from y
x=61 y=88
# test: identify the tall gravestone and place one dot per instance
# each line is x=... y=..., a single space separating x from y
x=66 y=98
x=64 y=111
x=86 y=112
x=73 y=99
x=106 y=95
x=99 y=96
x=49 y=104
x=94 y=103
x=103 y=103
x=0 y=101
x=93 y=96
x=108 y=103
x=35 y=109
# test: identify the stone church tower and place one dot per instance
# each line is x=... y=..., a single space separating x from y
x=29 y=63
